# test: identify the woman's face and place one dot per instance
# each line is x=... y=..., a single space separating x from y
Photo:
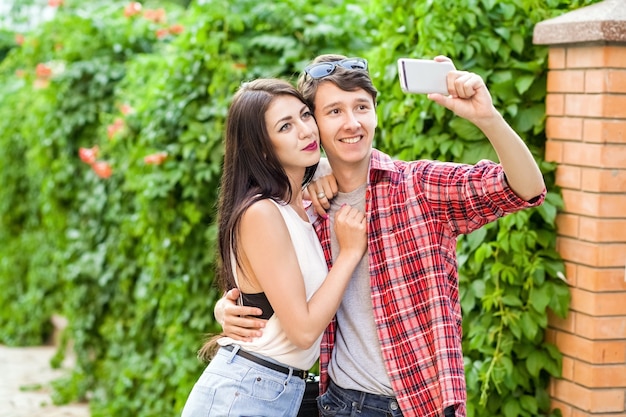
x=293 y=133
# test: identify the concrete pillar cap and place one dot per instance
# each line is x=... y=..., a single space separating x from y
x=600 y=22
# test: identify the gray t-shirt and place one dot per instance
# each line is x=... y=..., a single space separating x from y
x=356 y=362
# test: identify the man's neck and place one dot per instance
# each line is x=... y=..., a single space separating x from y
x=350 y=176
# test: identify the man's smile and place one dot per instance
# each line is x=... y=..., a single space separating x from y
x=351 y=140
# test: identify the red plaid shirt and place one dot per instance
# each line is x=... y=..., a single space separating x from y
x=415 y=212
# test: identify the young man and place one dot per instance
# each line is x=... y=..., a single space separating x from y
x=394 y=348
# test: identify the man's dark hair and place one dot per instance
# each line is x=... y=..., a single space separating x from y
x=345 y=79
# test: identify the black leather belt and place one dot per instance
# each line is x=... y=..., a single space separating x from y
x=295 y=372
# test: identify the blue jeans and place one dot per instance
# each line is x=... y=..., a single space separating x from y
x=234 y=386
x=340 y=402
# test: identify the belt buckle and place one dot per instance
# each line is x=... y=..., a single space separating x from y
x=303 y=374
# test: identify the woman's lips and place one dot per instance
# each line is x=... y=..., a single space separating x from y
x=311 y=147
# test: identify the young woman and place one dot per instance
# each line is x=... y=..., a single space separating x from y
x=270 y=252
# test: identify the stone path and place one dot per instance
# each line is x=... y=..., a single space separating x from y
x=25 y=376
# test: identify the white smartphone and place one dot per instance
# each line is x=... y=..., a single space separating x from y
x=423 y=76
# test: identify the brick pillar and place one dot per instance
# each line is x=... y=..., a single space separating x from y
x=586 y=136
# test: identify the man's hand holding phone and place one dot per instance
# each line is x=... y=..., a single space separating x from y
x=462 y=92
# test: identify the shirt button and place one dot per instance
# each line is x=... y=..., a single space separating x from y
x=393 y=405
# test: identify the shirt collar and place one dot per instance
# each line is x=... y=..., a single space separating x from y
x=380 y=161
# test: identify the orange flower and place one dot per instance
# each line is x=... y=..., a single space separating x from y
x=55 y=3
x=88 y=155
x=239 y=66
x=155 y=158
x=126 y=109
x=157 y=16
x=19 y=39
x=176 y=29
x=132 y=9
x=102 y=169
x=161 y=33
x=117 y=125
x=43 y=71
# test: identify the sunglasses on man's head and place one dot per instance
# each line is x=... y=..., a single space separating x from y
x=324 y=69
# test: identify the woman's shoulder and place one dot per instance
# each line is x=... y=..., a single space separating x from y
x=264 y=209
x=262 y=221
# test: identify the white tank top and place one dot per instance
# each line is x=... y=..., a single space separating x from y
x=274 y=342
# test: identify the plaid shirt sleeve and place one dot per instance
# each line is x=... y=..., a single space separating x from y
x=467 y=197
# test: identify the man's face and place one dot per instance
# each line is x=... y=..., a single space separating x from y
x=347 y=123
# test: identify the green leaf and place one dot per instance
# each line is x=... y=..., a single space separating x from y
x=475 y=238
x=489 y=4
x=512 y=300
x=465 y=130
x=481 y=253
x=529 y=117
x=517 y=241
x=502 y=76
x=478 y=286
x=529 y=404
x=536 y=362
x=548 y=212
x=468 y=299
x=517 y=43
x=529 y=327
x=560 y=300
x=523 y=82
x=493 y=44
x=554 y=199
x=540 y=297
x=515 y=328
x=539 y=276
x=511 y=408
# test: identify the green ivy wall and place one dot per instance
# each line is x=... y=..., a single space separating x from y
x=111 y=123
